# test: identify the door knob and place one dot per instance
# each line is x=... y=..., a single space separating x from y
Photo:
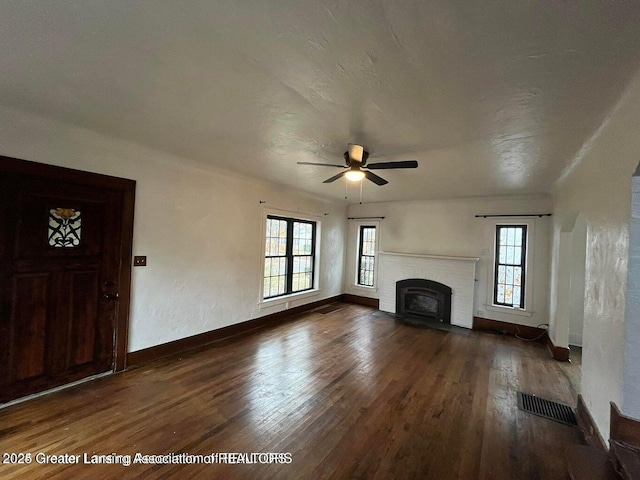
x=110 y=296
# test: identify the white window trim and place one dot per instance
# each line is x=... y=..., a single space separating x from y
x=527 y=311
x=358 y=224
x=269 y=302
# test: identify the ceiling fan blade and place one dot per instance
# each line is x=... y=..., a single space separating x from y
x=334 y=178
x=387 y=165
x=375 y=178
x=322 y=164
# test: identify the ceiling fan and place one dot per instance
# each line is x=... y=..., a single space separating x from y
x=357 y=168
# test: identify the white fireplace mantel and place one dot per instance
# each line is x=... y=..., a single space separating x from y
x=435 y=257
x=456 y=272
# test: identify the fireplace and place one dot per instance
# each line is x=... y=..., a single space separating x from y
x=423 y=299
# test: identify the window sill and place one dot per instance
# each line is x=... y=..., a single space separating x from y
x=365 y=287
x=510 y=310
x=271 y=302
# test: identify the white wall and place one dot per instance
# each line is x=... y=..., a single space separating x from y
x=449 y=227
x=576 y=295
x=598 y=187
x=199 y=227
x=567 y=309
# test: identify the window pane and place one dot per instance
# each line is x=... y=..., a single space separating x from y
x=508 y=291
x=500 y=294
x=518 y=237
x=509 y=254
x=274 y=286
x=517 y=274
x=302 y=241
x=509 y=279
x=510 y=236
x=267 y=268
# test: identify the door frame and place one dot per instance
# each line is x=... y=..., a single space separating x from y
x=127 y=188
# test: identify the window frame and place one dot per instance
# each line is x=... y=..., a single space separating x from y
x=289 y=256
x=523 y=265
x=360 y=255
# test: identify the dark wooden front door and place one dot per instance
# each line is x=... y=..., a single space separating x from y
x=60 y=276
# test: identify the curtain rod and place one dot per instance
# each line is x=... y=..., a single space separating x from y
x=516 y=215
x=363 y=218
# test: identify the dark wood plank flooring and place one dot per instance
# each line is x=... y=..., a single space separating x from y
x=350 y=394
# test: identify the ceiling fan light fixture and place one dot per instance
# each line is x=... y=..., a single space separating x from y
x=354 y=175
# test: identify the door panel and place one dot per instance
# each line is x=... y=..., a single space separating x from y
x=84 y=302
x=61 y=261
x=27 y=338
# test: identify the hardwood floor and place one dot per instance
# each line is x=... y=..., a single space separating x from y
x=349 y=394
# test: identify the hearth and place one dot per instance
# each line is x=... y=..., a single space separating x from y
x=419 y=298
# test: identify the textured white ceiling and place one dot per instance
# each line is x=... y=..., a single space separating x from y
x=492 y=98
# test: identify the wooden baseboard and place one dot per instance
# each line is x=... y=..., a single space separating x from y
x=588 y=427
x=524 y=331
x=195 y=341
x=369 y=302
x=560 y=354
x=624 y=429
x=621 y=428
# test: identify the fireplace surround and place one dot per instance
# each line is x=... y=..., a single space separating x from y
x=423 y=299
x=459 y=273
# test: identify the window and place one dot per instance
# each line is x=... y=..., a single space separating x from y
x=65 y=227
x=366 y=255
x=511 y=246
x=289 y=256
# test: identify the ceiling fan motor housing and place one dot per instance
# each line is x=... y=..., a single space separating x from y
x=359 y=155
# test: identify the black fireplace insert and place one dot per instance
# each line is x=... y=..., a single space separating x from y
x=420 y=298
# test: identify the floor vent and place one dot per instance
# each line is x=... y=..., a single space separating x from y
x=546 y=408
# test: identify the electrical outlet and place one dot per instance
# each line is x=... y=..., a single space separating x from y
x=140 y=261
